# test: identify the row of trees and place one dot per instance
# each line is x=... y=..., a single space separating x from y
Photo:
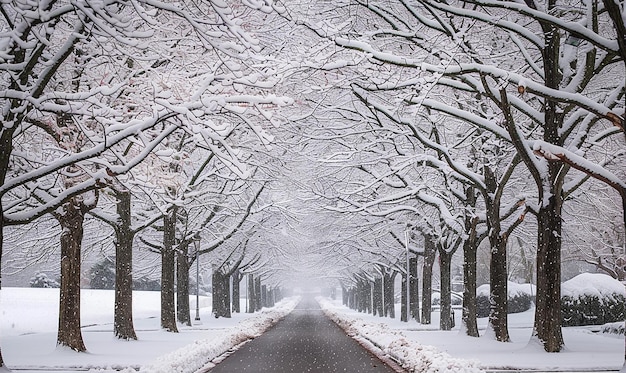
x=458 y=122
x=461 y=121
x=146 y=116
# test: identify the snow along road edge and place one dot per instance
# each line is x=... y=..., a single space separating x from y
x=193 y=357
x=411 y=355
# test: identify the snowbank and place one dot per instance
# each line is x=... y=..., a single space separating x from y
x=410 y=354
x=513 y=289
x=592 y=284
x=193 y=357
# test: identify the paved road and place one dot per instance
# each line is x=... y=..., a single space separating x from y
x=304 y=341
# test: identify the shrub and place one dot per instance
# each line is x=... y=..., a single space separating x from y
x=592 y=299
x=144 y=283
x=41 y=280
x=520 y=298
x=102 y=275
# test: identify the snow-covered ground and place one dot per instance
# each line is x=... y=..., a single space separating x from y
x=428 y=349
x=28 y=327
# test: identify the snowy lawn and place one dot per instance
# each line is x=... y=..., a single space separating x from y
x=425 y=347
x=28 y=328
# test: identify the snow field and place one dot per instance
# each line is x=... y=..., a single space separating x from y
x=29 y=319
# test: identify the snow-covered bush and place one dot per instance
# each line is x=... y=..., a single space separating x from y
x=520 y=298
x=41 y=280
x=592 y=299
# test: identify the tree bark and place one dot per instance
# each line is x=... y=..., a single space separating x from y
x=445 y=301
x=257 y=293
x=414 y=289
x=251 y=294
x=388 y=284
x=498 y=297
x=547 y=327
x=168 y=307
x=183 y=310
x=123 y=327
x=427 y=280
x=236 y=278
x=378 y=297
x=470 y=248
x=221 y=295
x=264 y=295
x=71 y=221
x=403 y=298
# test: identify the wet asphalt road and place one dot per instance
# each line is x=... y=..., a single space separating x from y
x=304 y=341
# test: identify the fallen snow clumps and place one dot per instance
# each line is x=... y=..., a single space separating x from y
x=411 y=355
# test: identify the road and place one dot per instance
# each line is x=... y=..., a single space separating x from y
x=304 y=341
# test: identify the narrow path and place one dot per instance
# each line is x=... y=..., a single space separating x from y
x=304 y=341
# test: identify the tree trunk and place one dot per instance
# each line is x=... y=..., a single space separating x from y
x=168 y=308
x=257 y=293
x=264 y=295
x=236 y=278
x=547 y=327
x=183 y=310
x=414 y=304
x=445 y=302
x=123 y=327
x=498 y=317
x=403 y=298
x=378 y=296
x=388 y=284
x=251 y=294
x=498 y=297
x=427 y=280
x=71 y=222
x=470 y=248
x=6 y=148
x=221 y=294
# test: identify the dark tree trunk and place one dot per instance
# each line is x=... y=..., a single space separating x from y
x=470 y=248
x=445 y=302
x=352 y=298
x=264 y=295
x=378 y=297
x=71 y=222
x=344 y=296
x=414 y=304
x=388 y=284
x=404 y=299
x=168 y=308
x=183 y=310
x=221 y=294
x=123 y=327
x=427 y=280
x=498 y=318
x=257 y=293
x=498 y=297
x=251 y=294
x=548 y=312
x=237 y=277
x=547 y=327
